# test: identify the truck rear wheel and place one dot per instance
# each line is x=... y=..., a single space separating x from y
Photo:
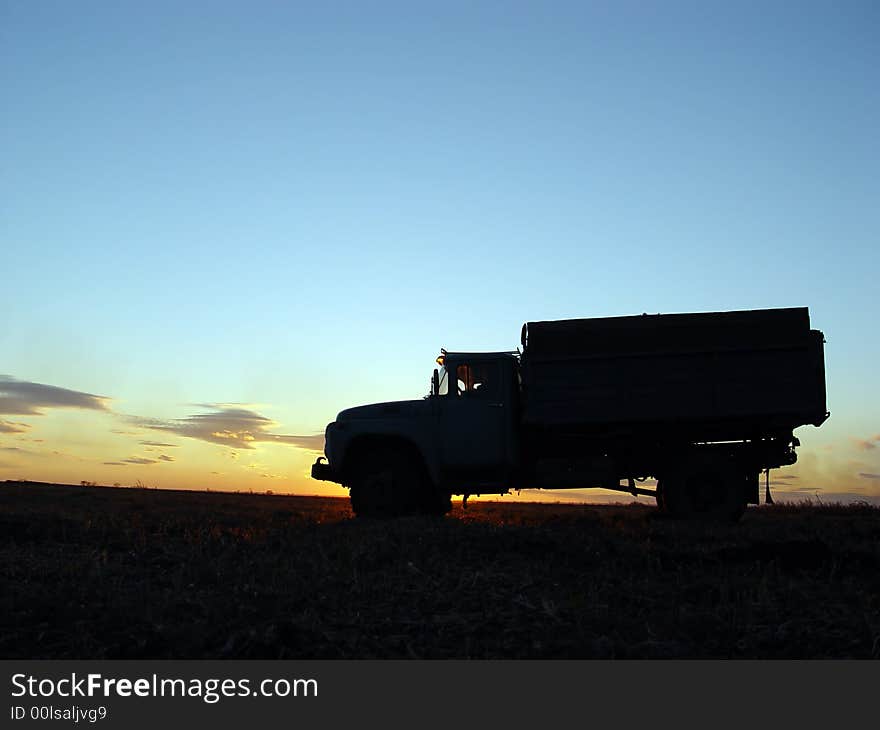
x=704 y=490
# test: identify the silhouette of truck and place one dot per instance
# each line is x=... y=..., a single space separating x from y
x=702 y=403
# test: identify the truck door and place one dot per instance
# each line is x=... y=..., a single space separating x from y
x=475 y=422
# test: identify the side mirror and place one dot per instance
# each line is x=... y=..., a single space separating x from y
x=435 y=382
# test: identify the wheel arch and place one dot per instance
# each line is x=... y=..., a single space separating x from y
x=371 y=442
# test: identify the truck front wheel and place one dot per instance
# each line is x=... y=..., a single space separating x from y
x=388 y=482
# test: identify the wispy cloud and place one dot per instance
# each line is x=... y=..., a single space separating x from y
x=315 y=442
x=230 y=425
x=11 y=427
x=23 y=398
x=868 y=475
x=867 y=444
x=234 y=425
x=784 y=478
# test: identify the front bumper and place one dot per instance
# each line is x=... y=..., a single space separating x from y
x=323 y=472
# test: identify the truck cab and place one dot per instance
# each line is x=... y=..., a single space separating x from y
x=411 y=456
x=477 y=410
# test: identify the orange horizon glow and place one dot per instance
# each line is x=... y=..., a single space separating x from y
x=68 y=437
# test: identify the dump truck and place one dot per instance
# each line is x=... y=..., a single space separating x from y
x=688 y=408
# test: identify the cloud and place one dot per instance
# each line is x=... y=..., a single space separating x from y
x=166 y=458
x=867 y=444
x=868 y=475
x=784 y=478
x=310 y=443
x=139 y=460
x=10 y=427
x=232 y=426
x=20 y=397
x=158 y=443
x=113 y=463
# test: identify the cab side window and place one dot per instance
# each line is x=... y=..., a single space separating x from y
x=465 y=379
x=477 y=380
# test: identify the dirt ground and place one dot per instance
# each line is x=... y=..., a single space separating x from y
x=96 y=572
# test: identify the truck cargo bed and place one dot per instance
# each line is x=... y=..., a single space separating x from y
x=730 y=375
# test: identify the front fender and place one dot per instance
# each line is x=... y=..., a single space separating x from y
x=346 y=439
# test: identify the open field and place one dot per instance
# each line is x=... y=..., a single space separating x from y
x=90 y=572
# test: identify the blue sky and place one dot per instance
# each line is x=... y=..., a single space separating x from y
x=293 y=206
